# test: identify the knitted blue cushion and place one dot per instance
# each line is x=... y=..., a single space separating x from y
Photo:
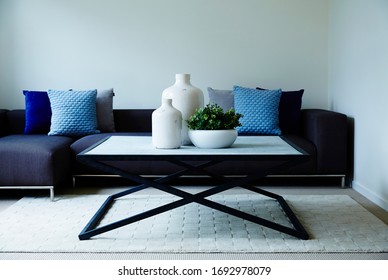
x=260 y=109
x=289 y=111
x=73 y=112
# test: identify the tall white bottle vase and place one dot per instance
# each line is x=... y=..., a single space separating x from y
x=186 y=98
x=166 y=126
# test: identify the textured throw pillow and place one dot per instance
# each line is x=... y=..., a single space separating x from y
x=38 y=112
x=289 y=111
x=73 y=112
x=260 y=109
x=223 y=98
x=105 y=119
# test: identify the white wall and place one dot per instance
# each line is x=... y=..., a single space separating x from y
x=137 y=46
x=358 y=86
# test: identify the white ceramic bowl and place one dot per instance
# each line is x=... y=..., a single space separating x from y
x=213 y=139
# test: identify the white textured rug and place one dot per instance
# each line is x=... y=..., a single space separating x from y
x=336 y=223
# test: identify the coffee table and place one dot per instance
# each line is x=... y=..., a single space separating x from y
x=246 y=148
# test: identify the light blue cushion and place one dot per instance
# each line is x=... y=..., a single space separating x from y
x=73 y=112
x=260 y=109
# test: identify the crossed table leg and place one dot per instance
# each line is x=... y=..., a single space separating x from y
x=92 y=229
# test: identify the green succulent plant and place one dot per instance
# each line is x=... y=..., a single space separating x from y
x=213 y=117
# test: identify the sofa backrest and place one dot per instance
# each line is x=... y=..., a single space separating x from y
x=16 y=121
x=133 y=120
x=3 y=122
x=126 y=120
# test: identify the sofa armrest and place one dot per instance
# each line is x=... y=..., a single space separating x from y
x=3 y=122
x=328 y=131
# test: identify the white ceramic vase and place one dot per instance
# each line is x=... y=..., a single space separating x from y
x=166 y=126
x=213 y=139
x=186 y=98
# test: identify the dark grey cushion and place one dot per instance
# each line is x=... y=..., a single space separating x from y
x=223 y=98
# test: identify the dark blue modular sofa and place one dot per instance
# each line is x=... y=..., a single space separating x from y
x=42 y=161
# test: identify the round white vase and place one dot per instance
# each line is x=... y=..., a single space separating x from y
x=186 y=98
x=166 y=126
x=213 y=139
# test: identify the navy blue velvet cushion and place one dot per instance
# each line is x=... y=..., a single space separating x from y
x=289 y=111
x=38 y=112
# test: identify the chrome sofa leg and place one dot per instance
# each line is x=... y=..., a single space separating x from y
x=343 y=182
x=52 y=194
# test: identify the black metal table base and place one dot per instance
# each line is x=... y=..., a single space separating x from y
x=93 y=228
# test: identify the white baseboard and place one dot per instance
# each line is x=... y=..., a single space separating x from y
x=372 y=196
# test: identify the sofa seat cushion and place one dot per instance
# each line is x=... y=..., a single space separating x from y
x=89 y=140
x=164 y=168
x=309 y=167
x=250 y=167
x=136 y=167
x=34 y=160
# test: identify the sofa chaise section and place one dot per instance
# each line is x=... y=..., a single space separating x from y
x=32 y=161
